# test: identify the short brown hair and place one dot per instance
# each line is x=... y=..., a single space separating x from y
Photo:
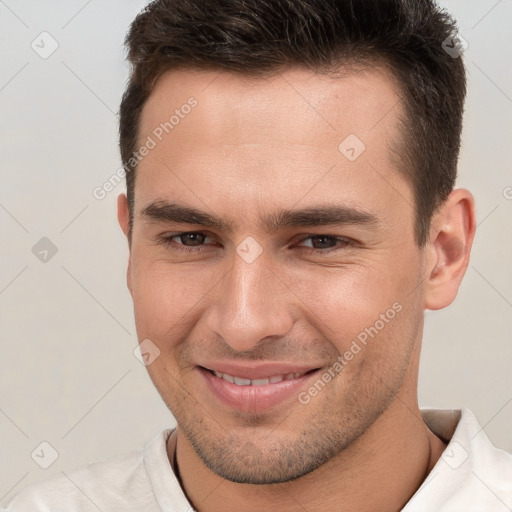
x=261 y=37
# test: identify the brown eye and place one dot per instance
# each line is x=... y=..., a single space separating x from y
x=324 y=243
x=191 y=239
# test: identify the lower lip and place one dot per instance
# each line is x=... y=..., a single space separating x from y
x=254 y=398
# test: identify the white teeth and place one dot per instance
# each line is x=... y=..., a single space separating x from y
x=229 y=378
x=240 y=381
x=260 y=382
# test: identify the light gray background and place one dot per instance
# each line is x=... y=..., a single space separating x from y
x=68 y=373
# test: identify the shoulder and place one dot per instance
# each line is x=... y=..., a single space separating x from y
x=491 y=467
x=469 y=447
x=471 y=475
x=117 y=483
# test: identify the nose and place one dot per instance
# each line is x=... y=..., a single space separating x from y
x=251 y=303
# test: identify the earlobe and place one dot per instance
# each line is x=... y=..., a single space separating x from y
x=449 y=247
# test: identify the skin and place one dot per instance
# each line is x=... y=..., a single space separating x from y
x=252 y=148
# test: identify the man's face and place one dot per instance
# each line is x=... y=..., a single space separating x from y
x=301 y=249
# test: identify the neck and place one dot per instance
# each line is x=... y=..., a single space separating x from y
x=380 y=471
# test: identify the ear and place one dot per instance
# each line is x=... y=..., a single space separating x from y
x=123 y=217
x=448 y=249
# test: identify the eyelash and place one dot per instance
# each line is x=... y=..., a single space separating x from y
x=168 y=241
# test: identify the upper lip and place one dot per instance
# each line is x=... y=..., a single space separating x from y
x=257 y=371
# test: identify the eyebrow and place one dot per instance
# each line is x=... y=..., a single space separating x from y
x=320 y=216
x=164 y=211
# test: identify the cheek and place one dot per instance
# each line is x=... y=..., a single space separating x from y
x=359 y=302
x=344 y=297
x=167 y=298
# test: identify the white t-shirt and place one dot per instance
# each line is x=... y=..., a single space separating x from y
x=471 y=476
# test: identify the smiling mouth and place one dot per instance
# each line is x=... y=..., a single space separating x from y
x=258 y=389
x=274 y=379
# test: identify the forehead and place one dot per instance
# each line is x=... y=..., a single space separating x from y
x=236 y=109
x=276 y=136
